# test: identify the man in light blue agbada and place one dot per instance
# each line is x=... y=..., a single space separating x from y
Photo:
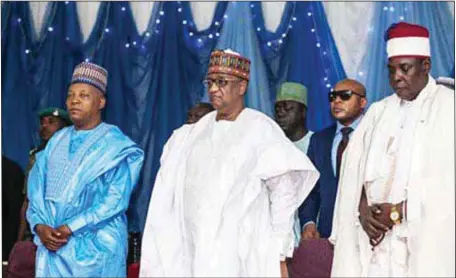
x=80 y=187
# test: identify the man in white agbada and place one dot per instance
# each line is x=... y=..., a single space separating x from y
x=398 y=174
x=224 y=198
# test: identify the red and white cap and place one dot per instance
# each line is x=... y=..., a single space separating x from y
x=407 y=40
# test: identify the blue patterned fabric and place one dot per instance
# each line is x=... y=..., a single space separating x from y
x=92 y=74
x=89 y=191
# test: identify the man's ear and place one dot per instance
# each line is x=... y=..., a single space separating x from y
x=426 y=64
x=363 y=102
x=102 y=102
x=243 y=87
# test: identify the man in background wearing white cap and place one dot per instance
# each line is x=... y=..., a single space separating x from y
x=224 y=199
x=80 y=187
x=398 y=174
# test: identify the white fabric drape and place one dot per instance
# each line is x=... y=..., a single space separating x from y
x=349 y=22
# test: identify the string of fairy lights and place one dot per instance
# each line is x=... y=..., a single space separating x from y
x=294 y=20
x=201 y=38
x=395 y=12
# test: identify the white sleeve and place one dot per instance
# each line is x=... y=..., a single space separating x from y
x=283 y=197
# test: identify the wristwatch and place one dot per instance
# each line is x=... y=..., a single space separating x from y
x=394 y=215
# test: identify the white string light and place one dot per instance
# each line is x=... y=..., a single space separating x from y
x=147 y=34
x=179 y=10
x=107 y=30
x=50 y=29
x=162 y=13
x=123 y=9
x=157 y=21
x=27 y=51
x=127 y=45
x=203 y=38
x=318 y=45
x=285 y=34
x=19 y=20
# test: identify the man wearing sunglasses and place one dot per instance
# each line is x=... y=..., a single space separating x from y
x=347 y=101
x=395 y=212
x=224 y=200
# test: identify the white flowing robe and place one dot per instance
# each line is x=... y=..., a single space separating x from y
x=423 y=245
x=224 y=200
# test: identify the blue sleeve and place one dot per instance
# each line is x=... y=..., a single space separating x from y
x=308 y=211
x=115 y=201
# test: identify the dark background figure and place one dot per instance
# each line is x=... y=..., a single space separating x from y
x=198 y=111
x=291 y=115
x=12 y=181
x=51 y=120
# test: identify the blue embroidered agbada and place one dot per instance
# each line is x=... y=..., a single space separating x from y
x=84 y=179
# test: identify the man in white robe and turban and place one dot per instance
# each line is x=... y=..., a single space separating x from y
x=395 y=209
x=224 y=198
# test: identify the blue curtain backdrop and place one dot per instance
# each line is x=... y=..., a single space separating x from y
x=302 y=49
x=435 y=16
x=156 y=76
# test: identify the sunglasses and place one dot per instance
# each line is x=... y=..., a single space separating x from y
x=219 y=82
x=344 y=95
